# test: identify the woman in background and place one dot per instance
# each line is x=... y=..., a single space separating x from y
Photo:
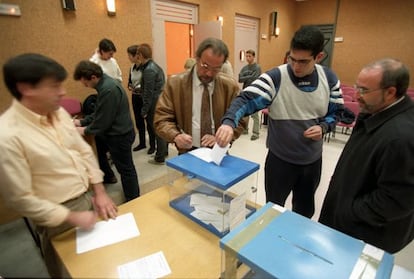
x=152 y=84
x=134 y=85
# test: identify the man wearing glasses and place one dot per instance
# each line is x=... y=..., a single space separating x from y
x=371 y=193
x=303 y=100
x=178 y=115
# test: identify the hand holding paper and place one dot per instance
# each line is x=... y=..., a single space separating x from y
x=218 y=153
x=215 y=155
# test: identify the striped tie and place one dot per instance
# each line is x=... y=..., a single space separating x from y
x=205 y=121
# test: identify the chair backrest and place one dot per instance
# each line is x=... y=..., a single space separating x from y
x=349 y=91
x=346 y=86
x=347 y=98
x=353 y=106
x=89 y=104
x=71 y=105
x=410 y=93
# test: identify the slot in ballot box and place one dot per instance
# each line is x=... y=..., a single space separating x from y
x=218 y=197
x=277 y=243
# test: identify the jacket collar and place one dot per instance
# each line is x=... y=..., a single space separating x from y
x=372 y=122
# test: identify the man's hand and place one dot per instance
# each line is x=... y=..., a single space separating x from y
x=102 y=203
x=83 y=219
x=81 y=130
x=208 y=141
x=76 y=122
x=224 y=135
x=184 y=141
x=314 y=133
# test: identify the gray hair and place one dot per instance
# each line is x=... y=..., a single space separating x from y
x=394 y=73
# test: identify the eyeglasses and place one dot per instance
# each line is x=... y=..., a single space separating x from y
x=209 y=68
x=301 y=62
x=362 y=91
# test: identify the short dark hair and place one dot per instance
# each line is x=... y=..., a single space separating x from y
x=30 y=68
x=86 y=69
x=217 y=45
x=308 y=37
x=106 y=45
x=394 y=73
x=145 y=50
x=252 y=52
x=133 y=49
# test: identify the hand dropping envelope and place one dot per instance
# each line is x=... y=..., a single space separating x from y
x=218 y=153
x=214 y=155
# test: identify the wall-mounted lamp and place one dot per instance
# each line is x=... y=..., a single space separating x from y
x=69 y=5
x=9 y=9
x=274 y=30
x=110 y=6
x=220 y=18
x=242 y=55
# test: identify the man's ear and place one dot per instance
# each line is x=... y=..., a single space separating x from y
x=391 y=92
x=93 y=78
x=319 y=56
x=24 y=88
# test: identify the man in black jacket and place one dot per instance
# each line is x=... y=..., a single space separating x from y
x=111 y=124
x=371 y=193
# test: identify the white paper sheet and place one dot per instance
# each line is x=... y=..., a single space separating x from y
x=106 y=232
x=152 y=266
x=209 y=155
x=210 y=210
x=237 y=212
x=363 y=268
x=218 y=153
x=202 y=153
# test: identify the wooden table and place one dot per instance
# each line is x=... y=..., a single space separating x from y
x=191 y=251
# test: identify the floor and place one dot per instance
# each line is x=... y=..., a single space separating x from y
x=19 y=257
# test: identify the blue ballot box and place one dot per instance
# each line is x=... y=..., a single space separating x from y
x=274 y=243
x=218 y=197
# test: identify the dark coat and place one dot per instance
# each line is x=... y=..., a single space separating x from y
x=371 y=193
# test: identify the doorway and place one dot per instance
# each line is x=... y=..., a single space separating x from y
x=178 y=46
x=246 y=36
x=166 y=16
x=328 y=33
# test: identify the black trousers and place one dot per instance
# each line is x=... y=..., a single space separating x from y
x=282 y=177
x=156 y=141
x=119 y=147
x=137 y=104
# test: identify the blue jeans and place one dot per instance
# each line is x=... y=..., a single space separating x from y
x=119 y=147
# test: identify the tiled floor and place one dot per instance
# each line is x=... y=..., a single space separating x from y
x=19 y=256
